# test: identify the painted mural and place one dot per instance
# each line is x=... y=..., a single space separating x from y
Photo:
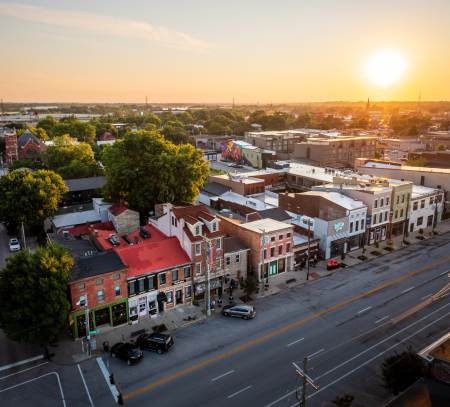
x=231 y=151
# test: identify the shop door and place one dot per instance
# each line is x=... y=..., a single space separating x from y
x=119 y=314
x=273 y=268
x=178 y=297
x=143 y=307
x=102 y=317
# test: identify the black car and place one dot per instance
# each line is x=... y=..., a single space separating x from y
x=127 y=352
x=155 y=342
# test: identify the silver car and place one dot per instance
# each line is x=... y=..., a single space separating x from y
x=242 y=311
x=14 y=245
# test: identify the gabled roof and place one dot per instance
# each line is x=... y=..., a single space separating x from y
x=27 y=136
x=101 y=263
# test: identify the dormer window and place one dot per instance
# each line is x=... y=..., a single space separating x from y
x=214 y=226
x=197 y=230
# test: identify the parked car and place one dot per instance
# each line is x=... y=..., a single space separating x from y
x=127 y=352
x=14 y=245
x=155 y=342
x=333 y=264
x=242 y=311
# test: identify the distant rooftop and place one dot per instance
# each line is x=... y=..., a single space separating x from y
x=266 y=225
x=337 y=198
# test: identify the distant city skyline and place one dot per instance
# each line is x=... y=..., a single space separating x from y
x=211 y=52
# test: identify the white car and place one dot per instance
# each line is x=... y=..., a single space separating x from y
x=14 y=245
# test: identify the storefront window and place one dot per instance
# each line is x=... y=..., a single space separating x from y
x=238 y=258
x=188 y=292
x=119 y=314
x=169 y=295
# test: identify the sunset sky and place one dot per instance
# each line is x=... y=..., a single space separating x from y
x=209 y=51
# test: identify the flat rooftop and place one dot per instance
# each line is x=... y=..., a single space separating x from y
x=266 y=225
x=337 y=198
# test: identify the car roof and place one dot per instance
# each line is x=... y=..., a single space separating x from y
x=246 y=306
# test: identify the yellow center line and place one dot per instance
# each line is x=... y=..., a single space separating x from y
x=279 y=331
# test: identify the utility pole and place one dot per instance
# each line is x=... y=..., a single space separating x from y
x=208 y=276
x=309 y=249
x=302 y=373
x=88 y=328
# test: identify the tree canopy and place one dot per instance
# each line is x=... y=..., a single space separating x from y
x=82 y=131
x=71 y=159
x=29 y=196
x=144 y=169
x=33 y=295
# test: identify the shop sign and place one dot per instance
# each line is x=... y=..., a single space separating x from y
x=338 y=226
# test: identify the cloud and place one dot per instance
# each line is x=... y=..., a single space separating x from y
x=104 y=24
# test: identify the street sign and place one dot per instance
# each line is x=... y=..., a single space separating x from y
x=92 y=332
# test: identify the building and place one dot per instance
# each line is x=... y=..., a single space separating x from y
x=281 y=142
x=301 y=247
x=211 y=191
x=398 y=149
x=236 y=254
x=239 y=183
x=338 y=152
x=29 y=146
x=270 y=243
x=425 y=209
x=433 y=140
x=199 y=234
x=435 y=159
x=125 y=220
x=11 y=148
x=437 y=355
x=82 y=190
x=98 y=282
x=337 y=220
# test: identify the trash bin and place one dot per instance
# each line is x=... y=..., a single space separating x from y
x=106 y=346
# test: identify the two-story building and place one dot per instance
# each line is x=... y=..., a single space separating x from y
x=236 y=254
x=425 y=208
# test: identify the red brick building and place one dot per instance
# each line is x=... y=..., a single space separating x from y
x=29 y=146
x=11 y=152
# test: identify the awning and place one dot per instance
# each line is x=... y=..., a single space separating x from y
x=162 y=297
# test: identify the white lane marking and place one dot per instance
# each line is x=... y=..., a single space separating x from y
x=112 y=387
x=409 y=326
x=293 y=343
x=426 y=296
x=238 y=392
x=382 y=319
x=24 y=370
x=315 y=353
x=222 y=375
x=85 y=386
x=39 y=377
x=21 y=362
x=364 y=310
x=407 y=290
x=444 y=272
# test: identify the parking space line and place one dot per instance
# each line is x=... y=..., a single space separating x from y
x=222 y=375
x=407 y=290
x=37 y=378
x=425 y=297
x=364 y=310
x=315 y=353
x=239 y=392
x=21 y=362
x=381 y=319
x=112 y=387
x=23 y=371
x=85 y=386
x=293 y=343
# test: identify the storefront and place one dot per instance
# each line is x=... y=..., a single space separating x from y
x=337 y=247
x=142 y=306
x=377 y=234
x=108 y=315
x=355 y=242
x=215 y=285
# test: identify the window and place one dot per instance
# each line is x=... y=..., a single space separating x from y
x=117 y=290
x=380 y=218
x=288 y=247
x=169 y=295
x=385 y=216
x=422 y=180
x=431 y=200
x=265 y=253
x=218 y=263
x=280 y=250
x=374 y=219
x=387 y=201
x=197 y=230
x=238 y=258
x=116 y=276
x=198 y=268
x=356 y=226
x=280 y=237
x=415 y=206
x=162 y=278
x=375 y=204
x=272 y=251
x=174 y=276
x=288 y=234
x=81 y=286
x=396 y=214
x=198 y=249
x=430 y=220
x=214 y=226
x=187 y=272
x=381 y=202
x=419 y=221
x=101 y=295
x=188 y=292
x=272 y=239
x=401 y=213
x=398 y=199
x=362 y=224
x=99 y=281
x=151 y=282
x=131 y=287
x=218 y=243
x=141 y=285
x=422 y=203
x=351 y=227
x=403 y=198
x=228 y=260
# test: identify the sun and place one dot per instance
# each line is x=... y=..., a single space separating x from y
x=386 y=67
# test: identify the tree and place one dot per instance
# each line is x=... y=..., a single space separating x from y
x=33 y=295
x=71 y=159
x=401 y=370
x=175 y=132
x=249 y=286
x=47 y=124
x=75 y=128
x=29 y=196
x=144 y=169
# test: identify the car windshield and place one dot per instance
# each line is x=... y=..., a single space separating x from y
x=14 y=241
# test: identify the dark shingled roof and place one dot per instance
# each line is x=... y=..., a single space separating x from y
x=102 y=263
x=233 y=244
x=85 y=184
x=27 y=135
x=215 y=189
x=275 y=213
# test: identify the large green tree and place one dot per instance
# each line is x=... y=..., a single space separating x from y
x=75 y=128
x=71 y=159
x=33 y=295
x=29 y=196
x=145 y=168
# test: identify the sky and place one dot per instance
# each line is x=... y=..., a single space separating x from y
x=257 y=51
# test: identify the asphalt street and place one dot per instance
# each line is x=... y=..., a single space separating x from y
x=343 y=323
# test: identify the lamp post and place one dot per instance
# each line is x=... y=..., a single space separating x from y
x=84 y=302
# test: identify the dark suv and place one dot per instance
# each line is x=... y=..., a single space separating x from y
x=155 y=342
x=127 y=352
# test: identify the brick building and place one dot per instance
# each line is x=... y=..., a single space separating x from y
x=11 y=149
x=29 y=146
x=236 y=254
x=240 y=183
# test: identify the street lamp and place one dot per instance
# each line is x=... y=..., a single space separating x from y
x=83 y=302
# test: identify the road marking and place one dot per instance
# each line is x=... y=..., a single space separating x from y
x=112 y=387
x=24 y=370
x=85 y=386
x=37 y=378
x=255 y=341
x=364 y=310
x=21 y=362
x=293 y=343
x=330 y=371
x=381 y=319
x=222 y=375
x=315 y=353
x=426 y=296
x=407 y=290
x=444 y=272
x=239 y=392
